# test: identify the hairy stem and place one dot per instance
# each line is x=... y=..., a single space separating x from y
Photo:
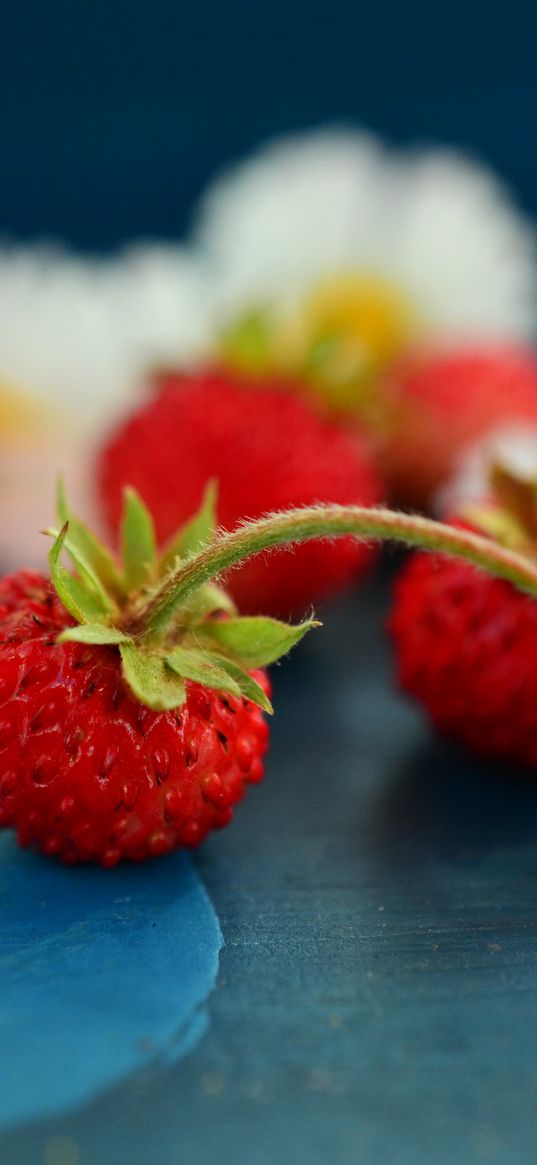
x=301 y=525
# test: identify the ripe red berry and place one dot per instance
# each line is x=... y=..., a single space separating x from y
x=444 y=402
x=467 y=650
x=131 y=689
x=267 y=450
x=88 y=772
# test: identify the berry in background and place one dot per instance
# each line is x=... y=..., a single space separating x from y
x=267 y=449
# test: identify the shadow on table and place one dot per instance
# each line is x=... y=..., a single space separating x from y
x=446 y=804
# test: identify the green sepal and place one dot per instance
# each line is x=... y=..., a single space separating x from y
x=93 y=633
x=138 y=543
x=192 y=664
x=150 y=679
x=88 y=547
x=248 y=342
x=86 y=574
x=500 y=525
x=83 y=603
x=254 y=640
x=197 y=532
x=209 y=600
x=517 y=495
x=248 y=686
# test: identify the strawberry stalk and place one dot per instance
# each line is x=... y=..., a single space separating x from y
x=155 y=615
x=170 y=621
x=139 y=730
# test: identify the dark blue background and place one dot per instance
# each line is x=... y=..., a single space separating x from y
x=113 y=116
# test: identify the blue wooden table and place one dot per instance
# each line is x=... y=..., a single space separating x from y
x=377 y=996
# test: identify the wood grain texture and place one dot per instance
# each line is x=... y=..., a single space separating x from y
x=377 y=999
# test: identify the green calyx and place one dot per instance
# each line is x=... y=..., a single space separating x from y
x=510 y=517
x=171 y=621
x=248 y=341
x=205 y=640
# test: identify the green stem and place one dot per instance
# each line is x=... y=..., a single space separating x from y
x=301 y=525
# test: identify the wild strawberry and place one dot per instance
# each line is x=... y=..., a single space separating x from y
x=439 y=404
x=131 y=696
x=112 y=747
x=467 y=643
x=267 y=449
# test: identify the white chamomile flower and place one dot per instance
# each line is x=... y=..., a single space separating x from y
x=77 y=336
x=80 y=333
x=333 y=253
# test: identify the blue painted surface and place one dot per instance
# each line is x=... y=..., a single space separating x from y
x=101 y=972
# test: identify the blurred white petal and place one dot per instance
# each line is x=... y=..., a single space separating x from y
x=438 y=224
x=76 y=337
x=81 y=332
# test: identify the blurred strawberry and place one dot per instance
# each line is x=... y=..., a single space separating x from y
x=466 y=643
x=267 y=449
x=441 y=403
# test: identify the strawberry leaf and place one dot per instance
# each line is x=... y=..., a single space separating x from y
x=93 y=633
x=137 y=542
x=247 y=685
x=208 y=600
x=192 y=664
x=150 y=679
x=77 y=595
x=254 y=640
x=85 y=572
x=196 y=533
x=89 y=549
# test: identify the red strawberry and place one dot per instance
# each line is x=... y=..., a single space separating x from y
x=90 y=773
x=442 y=403
x=267 y=449
x=129 y=692
x=467 y=643
x=114 y=745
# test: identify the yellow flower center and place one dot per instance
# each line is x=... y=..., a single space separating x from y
x=22 y=417
x=339 y=338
